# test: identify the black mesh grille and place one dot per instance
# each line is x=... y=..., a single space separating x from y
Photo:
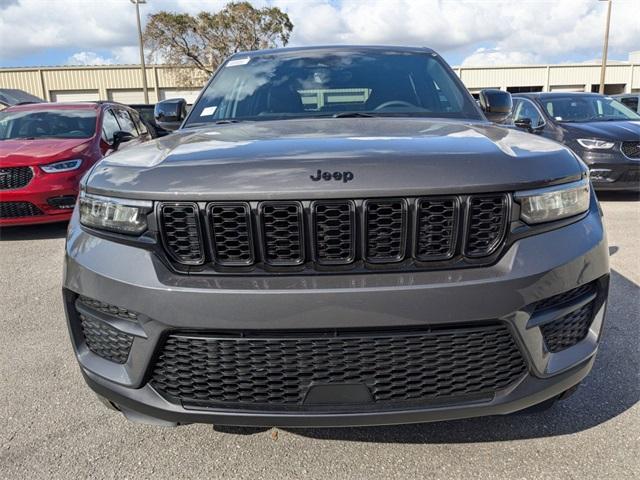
x=631 y=149
x=19 y=209
x=15 y=177
x=181 y=232
x=437 y=228
x=568 y=330
x=395 y=366
x=107 y=308
x=231 y=233
x=334 y=225
x=487 y=222
x=566 y=297
x=274 y=235
x=386 y=230
x=106 y=341
x=282 y=228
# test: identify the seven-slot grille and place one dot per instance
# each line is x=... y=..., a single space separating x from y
x=15 y=177
x=281 y=234
x=395 y=366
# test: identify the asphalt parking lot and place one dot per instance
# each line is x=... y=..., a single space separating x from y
x=52 y=426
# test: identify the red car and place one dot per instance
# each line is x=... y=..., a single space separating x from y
x=46 y=148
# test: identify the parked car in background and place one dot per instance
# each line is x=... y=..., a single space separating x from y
x=13 y=96
x=46 y=148
x=629 y=100
x=146 y=112
x=601 y=130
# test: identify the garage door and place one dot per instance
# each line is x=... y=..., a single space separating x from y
x=75 y=96
x=127 y=97
x=189 y=94
x=567 y=88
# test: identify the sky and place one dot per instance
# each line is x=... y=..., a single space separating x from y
x=464 y=32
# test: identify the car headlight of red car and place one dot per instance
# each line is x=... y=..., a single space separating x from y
x=63 y=166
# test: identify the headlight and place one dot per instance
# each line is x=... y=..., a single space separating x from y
x=593 y=144
x=114 y=214
x=63 y=166
x=554 y=203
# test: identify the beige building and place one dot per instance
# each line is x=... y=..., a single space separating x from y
x=123 y=83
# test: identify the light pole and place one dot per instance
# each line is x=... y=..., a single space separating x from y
x=605 y=47
x=142 y=65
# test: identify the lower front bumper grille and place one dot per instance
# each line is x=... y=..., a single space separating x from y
x=19 y=209
x=395 y=367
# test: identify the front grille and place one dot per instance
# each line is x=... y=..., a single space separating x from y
x=106 y=341
x=19 y=209
x=409 y=233
x=386 y=226
x=231 y=233
x=569 y=329
x=631 y=149
x=180 y=224
x=15 y=177
x=334 y=232
x=486 y=224
x=437 y=224
x=396 y=367
x=282 y=233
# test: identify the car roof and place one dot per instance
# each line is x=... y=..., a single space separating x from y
x=542 y=95
x=97 y=105
x=333 y=48
x=14 y=96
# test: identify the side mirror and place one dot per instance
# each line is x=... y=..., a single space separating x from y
x=524 y=123
x=169 y=114
x=496 y=105
x=120 y=137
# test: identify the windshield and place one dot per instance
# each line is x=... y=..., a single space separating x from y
x=587 y=108
x=52 y=123
x=339 y=83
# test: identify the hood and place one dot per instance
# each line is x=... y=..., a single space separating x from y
x=384 y=156
x=626 y=131
x=17 y=153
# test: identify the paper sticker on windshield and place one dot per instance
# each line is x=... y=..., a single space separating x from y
x=238 y=61
x=206 y=111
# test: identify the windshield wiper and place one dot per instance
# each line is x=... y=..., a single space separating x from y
x=353 y=115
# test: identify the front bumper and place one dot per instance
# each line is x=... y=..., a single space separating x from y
x=42 y=191
x=611 y=170
x=529 y=271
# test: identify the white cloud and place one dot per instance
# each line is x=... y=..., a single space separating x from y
x=496 y=56
x=88 y=58
x=477 y=31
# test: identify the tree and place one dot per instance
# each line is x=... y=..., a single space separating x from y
x=206 y=39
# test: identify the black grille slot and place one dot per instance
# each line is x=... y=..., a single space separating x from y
x=631 y=149
x=437 y=228
x=569 y=329
x=386 y=227
x=566 y=297
x=396 y=366
x=487 y=224
x=15 y=177
x=334 y=231
x=282 y=228
x=106 y=341
x=108 y=308
x=19 y=209
x=181 y=232
x=231 y=233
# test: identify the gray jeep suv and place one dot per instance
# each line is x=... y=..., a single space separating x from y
x=335 y=236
